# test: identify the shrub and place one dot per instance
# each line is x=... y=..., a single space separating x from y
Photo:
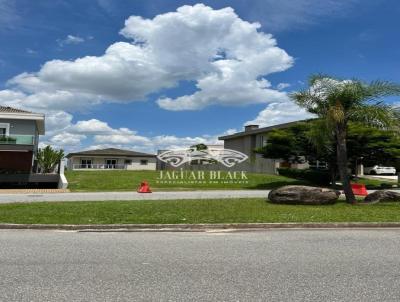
x=7 y=139
x=318 y=177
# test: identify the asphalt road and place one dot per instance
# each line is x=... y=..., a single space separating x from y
x=275 y=265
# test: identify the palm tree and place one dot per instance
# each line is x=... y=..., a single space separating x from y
x=48 y=158
x=337 y=102
x=321 y=138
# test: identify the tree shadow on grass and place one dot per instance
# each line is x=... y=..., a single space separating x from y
x=277 y=184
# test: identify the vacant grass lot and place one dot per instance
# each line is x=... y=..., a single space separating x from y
x=193 y=211
x=90 y=181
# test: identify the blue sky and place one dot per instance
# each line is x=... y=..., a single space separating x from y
x=148 y=98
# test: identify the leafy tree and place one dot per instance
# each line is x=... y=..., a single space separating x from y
x=373 y=146
x=290 y=144
x=199 y=147
x=338 y=102
x=322 y=139
x=313 y=141
x=305 y=140
x=48 y=158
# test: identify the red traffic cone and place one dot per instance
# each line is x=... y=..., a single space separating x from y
x=144 y=187
x=359 y=189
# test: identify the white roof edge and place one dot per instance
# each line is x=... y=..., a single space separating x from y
x=21 y=116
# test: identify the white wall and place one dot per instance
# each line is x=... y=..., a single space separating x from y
x=100 y=160
x=151 y=164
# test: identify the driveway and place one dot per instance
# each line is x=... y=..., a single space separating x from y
x=382 y=177
x=275 y=265
x=112 y=196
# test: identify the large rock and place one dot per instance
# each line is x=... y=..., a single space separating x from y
x=382 y=195
x=303 y=195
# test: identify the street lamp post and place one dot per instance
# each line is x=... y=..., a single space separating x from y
x=356 y=171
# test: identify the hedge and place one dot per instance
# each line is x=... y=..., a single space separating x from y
x=318 y=177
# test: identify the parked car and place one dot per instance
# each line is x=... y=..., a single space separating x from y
x=378 y=170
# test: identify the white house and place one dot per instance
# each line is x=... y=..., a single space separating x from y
x=111 y=159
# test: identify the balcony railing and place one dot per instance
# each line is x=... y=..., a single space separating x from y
x=99 y=167
x=17 y=139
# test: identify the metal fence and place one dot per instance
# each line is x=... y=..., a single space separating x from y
x=99 y=166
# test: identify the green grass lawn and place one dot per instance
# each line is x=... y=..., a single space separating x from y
x=193 y=211
x=86 y=181
x=376 y=184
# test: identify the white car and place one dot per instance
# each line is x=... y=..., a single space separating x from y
x=378 y=170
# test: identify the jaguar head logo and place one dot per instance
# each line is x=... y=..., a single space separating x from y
x=226 y=157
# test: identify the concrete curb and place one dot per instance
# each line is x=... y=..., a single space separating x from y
x=194 y=227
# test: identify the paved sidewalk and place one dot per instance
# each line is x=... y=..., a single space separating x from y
x=382 y=177
x=112 y=196
x=32 y=191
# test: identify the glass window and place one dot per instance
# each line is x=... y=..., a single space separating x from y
x=86 y=163
x=261 y=141
x=111 y=163
x=4 y=127
x=143 y=162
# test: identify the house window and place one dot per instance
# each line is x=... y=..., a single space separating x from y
x=86 y=163
x=143 y=162
x=128 y=161
x=261 y=141
x=111 y=163
x=4 y=129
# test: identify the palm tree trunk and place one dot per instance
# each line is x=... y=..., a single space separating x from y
x=341 y=131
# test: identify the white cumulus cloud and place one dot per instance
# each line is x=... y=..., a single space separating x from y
x=282 y=86
x=92 y=126
x=224 y=55
x=70 y=39
x=67 y=139
x=278 y=113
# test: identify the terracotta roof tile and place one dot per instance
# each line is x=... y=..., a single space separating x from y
x=12 y=110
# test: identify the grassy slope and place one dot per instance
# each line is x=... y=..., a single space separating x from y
x=80 y=181
x=376 y=183
x=193 y=211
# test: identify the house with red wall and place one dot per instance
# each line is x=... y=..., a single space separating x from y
x=19 y=139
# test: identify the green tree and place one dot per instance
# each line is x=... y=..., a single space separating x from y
x=290 y=144
x=48 y=158
x=199 y=147
x=338 y=102
x=305 y=140
x=373 y=146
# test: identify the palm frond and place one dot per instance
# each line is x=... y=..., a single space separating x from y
x=307 y=100
x=377 y=115
x=380 y=89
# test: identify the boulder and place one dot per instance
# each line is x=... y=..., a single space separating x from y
x=303 y=195
x=382 y=195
